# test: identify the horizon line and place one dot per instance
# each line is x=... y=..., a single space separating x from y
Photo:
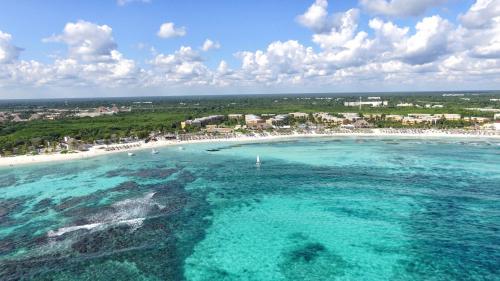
x=361 y=93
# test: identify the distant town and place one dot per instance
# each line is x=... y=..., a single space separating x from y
x=77 y=126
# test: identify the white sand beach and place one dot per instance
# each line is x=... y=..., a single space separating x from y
x=128 y=147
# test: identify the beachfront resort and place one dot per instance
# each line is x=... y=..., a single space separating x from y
x=270 y=126
x=66 y=127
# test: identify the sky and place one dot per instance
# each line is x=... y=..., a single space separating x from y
x=99 y=48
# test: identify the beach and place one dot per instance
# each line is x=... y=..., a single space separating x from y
x=100 y=150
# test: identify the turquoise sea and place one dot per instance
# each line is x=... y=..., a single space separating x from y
x=315 y=209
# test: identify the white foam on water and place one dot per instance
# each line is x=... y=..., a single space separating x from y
x=67 y=229
x=129 y=211
x=134 y=223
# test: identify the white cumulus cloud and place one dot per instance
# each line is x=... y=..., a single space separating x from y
x=210 y=45
x=481 y=29
x=8 y=52
x=183 y=66
x=342 y=30
x=430 y=42
x=316 y=16
x=169 y=30
x=87 y=41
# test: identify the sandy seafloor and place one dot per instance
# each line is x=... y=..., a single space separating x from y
x=334 y=208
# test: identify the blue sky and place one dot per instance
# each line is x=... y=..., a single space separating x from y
x=342 y=58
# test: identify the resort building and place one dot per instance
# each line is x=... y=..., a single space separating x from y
x=299 y=114
x=35 y=116
x=370 y=103
x=101 y=110
x=252 y=119
x=203 y=121
x=484 y=109
x=394 y=117
x=327 y=118
x=434 y=106
x=220 y=130
x=278 y=120
x=407 y=120
x=373 y=116
x=17 y=118
x=496 y=116
x=350 y=116
x=452 y=117
x=235 y=116
x=419 y=115
x=404 y=105
x=477 y=119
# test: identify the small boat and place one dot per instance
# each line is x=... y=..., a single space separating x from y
x=131 y=154
x=154 y=151
x=181 y=148
x=257 y=162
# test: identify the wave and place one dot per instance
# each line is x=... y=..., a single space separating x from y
x=135 y=223
x=129 y=211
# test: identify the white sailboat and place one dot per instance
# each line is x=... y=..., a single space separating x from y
x=154 y=151
x=257 y=162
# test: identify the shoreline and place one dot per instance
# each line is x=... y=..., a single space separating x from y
x=101 y=150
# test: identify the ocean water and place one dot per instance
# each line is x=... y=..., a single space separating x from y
x=315 y=209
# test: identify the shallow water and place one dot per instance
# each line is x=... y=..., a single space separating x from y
x=316 y=209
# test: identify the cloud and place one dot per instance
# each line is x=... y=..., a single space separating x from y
x=71 y=73
x=168 y=30
x=209 y=45
x=8 y=52
x=344 y=45
x=429 y=42
x=480 y=29
x=482 y=14
x=126 y=2
x=341 y=56
x=341 y=30
x=399 y=8
x=92 y=60
x=388 y=37
x=183 y=66
x=86 y=41
x=184 y=54
x=316 y=16
x=391 y=53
